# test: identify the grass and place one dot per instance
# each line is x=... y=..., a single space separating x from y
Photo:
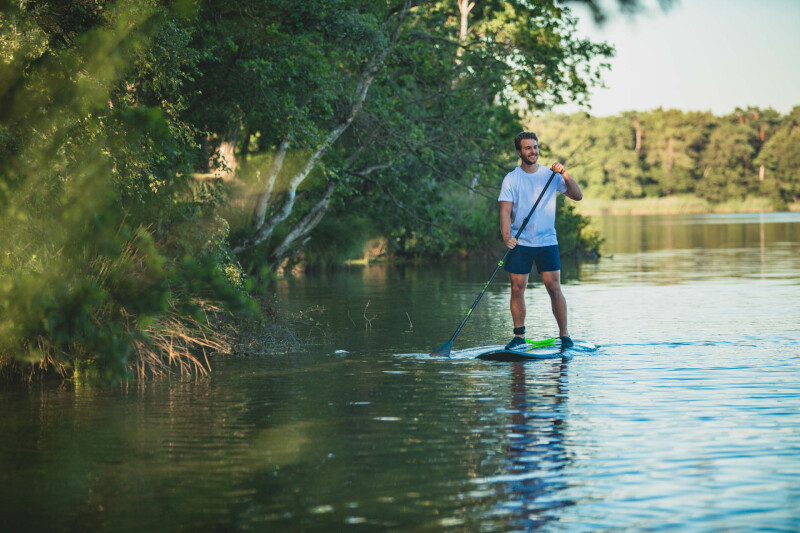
x=180 y=343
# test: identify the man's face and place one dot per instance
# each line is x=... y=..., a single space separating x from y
x=529 y=152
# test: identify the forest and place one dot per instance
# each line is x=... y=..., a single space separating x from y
x=750 y=153
x=161 y=162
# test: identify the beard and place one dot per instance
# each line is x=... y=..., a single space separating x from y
x=529 y=160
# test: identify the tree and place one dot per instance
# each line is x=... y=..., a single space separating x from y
x=780 y=159
x=723 y=175
x=672 y=143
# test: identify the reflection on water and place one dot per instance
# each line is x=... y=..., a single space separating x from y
x=530 y=488
x=687 y=417
x=639 y=233
x=673 y=249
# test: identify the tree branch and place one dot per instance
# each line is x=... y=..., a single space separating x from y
x=272 y=174
x=310 y=221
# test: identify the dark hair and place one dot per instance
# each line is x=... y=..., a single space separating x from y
x=524 y=135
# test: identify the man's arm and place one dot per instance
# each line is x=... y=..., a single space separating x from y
x=505 y=224
x=573 y=189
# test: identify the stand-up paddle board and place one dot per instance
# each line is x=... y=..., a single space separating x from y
x=546 y=349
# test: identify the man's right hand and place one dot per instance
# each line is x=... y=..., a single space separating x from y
x=511 y=242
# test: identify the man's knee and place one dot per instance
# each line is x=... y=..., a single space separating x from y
x=555 y=293
x=518 y=284
x=518 y=291
x=552 y=284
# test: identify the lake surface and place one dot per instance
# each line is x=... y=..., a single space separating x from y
x=687 y=417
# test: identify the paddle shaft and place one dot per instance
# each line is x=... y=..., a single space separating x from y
x=503 y=260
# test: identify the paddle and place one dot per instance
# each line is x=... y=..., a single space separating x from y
x=445 y=349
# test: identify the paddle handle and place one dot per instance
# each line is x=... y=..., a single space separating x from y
x=502 y=260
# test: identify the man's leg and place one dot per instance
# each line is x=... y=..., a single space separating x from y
x=552 y=282
x=518 y=284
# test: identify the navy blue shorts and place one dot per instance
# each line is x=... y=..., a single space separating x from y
x=521 y=259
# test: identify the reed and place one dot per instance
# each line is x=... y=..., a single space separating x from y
x=179 y=343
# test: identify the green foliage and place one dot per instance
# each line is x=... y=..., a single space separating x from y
x=780 y=158
x=98 y=272
x=722 y=176
x=280 y=67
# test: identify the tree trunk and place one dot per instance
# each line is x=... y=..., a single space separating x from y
x=639 y=133
x=670 y=158
x=464 y=7
x=670 y=162
x=275 y=166
x=301 y=230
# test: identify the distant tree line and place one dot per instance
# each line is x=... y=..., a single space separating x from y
x=751 y=152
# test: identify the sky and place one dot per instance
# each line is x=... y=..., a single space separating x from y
x=699 y=55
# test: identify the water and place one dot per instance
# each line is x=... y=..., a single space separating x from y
x=686 y=418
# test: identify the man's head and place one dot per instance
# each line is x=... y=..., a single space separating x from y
x=527 y=144
x=524 y=135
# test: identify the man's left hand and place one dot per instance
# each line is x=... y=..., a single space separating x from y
x=558 y=168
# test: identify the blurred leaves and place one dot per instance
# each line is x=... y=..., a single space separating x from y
x=92 y=183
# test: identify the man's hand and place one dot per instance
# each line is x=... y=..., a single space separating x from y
x=511 y=242
x=573 y=189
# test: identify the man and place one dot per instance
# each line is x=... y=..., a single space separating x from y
x=538 y=243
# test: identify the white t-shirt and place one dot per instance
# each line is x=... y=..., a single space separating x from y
x=522 y=190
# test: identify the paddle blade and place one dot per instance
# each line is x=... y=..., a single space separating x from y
x=443 y=350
